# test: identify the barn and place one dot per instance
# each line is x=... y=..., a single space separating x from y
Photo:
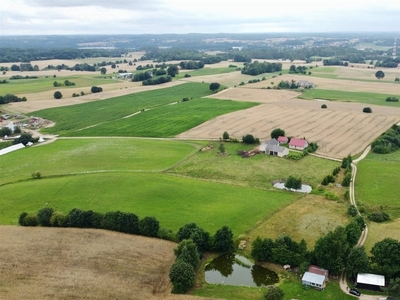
x=370 y=281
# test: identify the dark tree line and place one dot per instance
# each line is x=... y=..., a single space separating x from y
x=8 y=98
x=257 y=68
x=387 y=142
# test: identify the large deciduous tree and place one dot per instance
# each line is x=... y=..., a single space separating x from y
x=149 y=226
x=277 y=132
x=357 y=262
x=386 y=257
x=173 y=71
x=214 y=86
x=379 y=74
x=223 y=240
x=182 y=276
x=57 y=95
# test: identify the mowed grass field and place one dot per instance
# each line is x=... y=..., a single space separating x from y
x=71 y=156
x=124 y=116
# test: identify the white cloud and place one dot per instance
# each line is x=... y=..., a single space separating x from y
x=178 y=16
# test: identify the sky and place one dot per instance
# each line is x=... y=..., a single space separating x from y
x=58 y=17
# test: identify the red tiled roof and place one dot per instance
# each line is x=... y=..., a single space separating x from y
x=282 y=139
x=297 y=142
x=317 y=270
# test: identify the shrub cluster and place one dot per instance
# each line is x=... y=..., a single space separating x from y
x=392 y=99
x=8 y=98
x=256 y=68
x=387 y=142
x=250 y=139
x=379 y=217
x=191 y=64
x=96 y=89
x=293 y=183
x=159 y=80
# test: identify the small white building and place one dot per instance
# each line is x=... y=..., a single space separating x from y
x=366 y=279
x=313 y=280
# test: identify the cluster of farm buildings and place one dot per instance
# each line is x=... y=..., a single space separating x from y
x=273 y=146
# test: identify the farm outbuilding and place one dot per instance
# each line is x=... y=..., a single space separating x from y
x=283 y=139
x=11 y=148
x=370 y=281
x=271 y=147
x=271 y=142
x=313 y=280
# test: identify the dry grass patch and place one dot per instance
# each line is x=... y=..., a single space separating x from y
x=340 y=130
x=379 y=231
x=308 y=218
x=50 y=263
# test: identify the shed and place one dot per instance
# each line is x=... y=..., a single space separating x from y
x=271 y=142
x=314 y=280
x=276 y=150
x=371 y=281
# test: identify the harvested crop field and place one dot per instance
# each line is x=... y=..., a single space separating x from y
x=339 y=130
x=50 y=263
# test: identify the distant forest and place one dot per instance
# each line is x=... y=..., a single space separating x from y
x=166 y=47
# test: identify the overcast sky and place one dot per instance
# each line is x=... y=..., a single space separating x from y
x=40 y=17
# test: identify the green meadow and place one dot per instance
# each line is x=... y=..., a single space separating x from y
x=362 y=97
x=377 y=182
x=68 y=156
x=160 y=114
x=42 y=84
x=173 y=200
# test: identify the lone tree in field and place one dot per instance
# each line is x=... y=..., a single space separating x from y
x=103 y=70
x=173 y=70
x=57 y=95
x=225 y=135
x=367 y=110
x=379 y=74
x=277 y=132
x=214 y=86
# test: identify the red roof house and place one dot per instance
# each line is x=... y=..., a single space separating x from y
x=282 y=139
x=299 y=144
x=317 y=270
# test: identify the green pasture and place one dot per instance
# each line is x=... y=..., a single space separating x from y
x=204 y=71
x=164 y=121
x=257 y=171
x=361 y=97
x=72 y=118
x=42 y=84
x=377 y=181
x=173 y=200
x=66 y=156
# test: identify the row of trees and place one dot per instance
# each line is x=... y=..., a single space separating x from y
x=191 y=64
x=115 y=221
x=158 y=80
x=8 y=98
x=66 y=83
x=24 y=67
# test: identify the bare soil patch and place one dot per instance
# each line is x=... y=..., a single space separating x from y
x=50 y=263
x=339 y=130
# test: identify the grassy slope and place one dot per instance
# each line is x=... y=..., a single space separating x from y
x=42 y=84
x=362 y=97
x=174 y=201
x=67 y=156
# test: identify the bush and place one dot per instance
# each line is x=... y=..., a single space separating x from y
x=36 y=175
x=223 y=240
x=187 y=75
x=96 y=89
x=392 y=99
x=57 y=95
x=328 y=179
x=44 y=215
x=58 y=219
x=324 y=106
x=346 y=180
x=293 y=183
x=352 y=211
x=21 y=218
x=379 y=217
x=274 y=293
x=248 y=139
x=367 y=110
x=184 y=99
x=149 y=226
x=182 y=277
x=167 y=234
x=225 y=135
x=30 y=220
x=187 y=251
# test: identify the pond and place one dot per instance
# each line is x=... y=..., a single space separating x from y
x=304 y=187
x=231 y=269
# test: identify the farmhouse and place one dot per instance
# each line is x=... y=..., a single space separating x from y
x=299 y=144
x=313 y=280
x=370 y=281
x=271 y=147
x=271 y=142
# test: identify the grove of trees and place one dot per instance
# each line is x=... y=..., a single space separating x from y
x=257 y=68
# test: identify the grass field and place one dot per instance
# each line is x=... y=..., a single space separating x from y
x=258 y=171
x=116 y=116
x=362 y=97
x=204 y=71
x=66 y=156
x=22 y=86
x=376 y=183
x=174 y=201
x=379 y=231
